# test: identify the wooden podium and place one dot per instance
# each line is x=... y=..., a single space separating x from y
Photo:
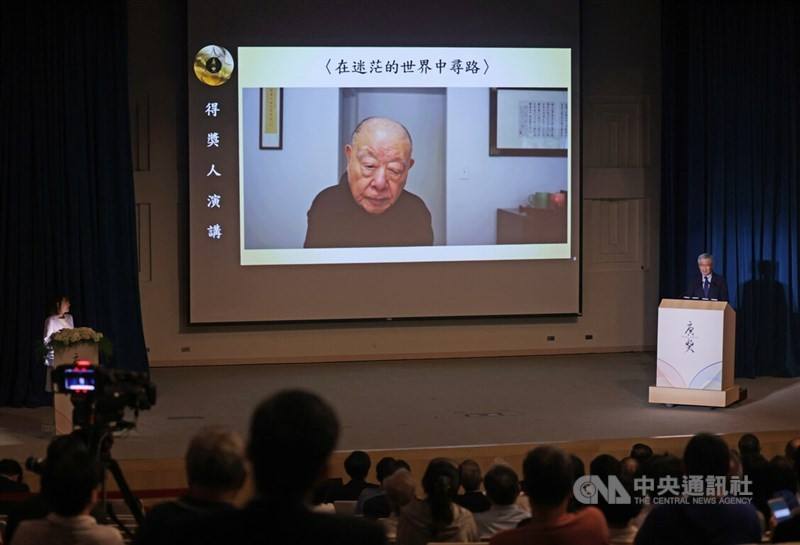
x=62 y=406
x=695 y=359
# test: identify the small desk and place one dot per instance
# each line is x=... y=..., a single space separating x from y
x=533 y=226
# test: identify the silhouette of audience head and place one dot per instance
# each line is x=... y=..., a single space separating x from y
x=292 y=436
x=70 y=477
x=357 y=465
x=385 y=467
x=749 y=445
x=215 y=463
x=629 y=466
x=548 y=475
x=470 y=474
x=661 y=466
x=440 y=483
x=11 y=470
x=707 y=454
x=792 y=448
x=502 y=485
x=605 y=465
x=641 y=452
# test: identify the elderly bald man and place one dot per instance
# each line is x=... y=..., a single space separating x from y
x=370 y=206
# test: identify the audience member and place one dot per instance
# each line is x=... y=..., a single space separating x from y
x=657 y=467
x=792 y=447
x=749 y=445
x=11 y=477
x=641 y=453
x=629 y=467
x=379 y=508
x=215 y=472
x=578 y=471
x=70 y=484
x=502 y=489
x=400 y=491
x=782 y=481
x=10 y=483
x=292 y=436
x=473 y=499
x=720 y=523
x=548 y=476
x=736 y=463
x=437 y=517
x=356 y=465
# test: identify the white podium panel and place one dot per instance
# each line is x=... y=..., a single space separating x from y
x=689 y=348
x=695 y=357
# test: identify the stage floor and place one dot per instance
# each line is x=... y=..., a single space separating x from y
x=432 y=403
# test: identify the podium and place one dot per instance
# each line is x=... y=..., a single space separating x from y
x=62 y=405
x=695 y=358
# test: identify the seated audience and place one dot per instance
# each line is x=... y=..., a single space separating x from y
x=378 y=506
x=719 y=523
x=657 y=467
x=70 y=483
x=620 y=518
x=10 y=483
x=736 y=463
x=215 y=472
x=749 y=445
x=11 y=477
x=578 y=471
x=437 y=518
x=384 y=468
x=400 y=491
x=502 y=489
x=356 y=465
x=782 y=478
x=629 y=467
x=548 y=477
x=641 y=453
x=792 y=448
x=292 y=437
x=473 y=499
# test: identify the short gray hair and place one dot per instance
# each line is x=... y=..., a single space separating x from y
x=215 y=459
x=704 y=255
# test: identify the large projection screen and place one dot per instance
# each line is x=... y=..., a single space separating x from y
x=339 y=171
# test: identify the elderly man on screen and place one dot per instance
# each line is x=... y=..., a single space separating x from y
x=707 y=284
x=370 y=206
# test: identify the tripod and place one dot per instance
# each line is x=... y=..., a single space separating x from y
x=100 y=440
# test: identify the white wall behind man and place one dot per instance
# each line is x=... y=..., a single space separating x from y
x=279 y=185
x=477 y=184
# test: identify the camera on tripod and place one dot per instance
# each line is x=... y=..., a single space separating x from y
x=100 y=396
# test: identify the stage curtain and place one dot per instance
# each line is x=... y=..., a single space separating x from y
x=67 y=210
x=731 y=166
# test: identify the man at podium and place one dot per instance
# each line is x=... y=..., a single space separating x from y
x=707 y=284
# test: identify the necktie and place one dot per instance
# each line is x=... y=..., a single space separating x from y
x=706 y=286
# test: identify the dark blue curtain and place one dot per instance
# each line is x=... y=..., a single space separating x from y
x=67 y=221
x=731 y=166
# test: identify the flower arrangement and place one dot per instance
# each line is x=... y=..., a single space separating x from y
x=68 y=337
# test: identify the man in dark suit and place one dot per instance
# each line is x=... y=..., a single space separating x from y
x=707 y=284
x=292 y=436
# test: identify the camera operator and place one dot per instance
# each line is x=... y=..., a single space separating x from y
x=70 y=480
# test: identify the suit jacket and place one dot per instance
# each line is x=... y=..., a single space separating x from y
x=717 y=290
x=263 y=522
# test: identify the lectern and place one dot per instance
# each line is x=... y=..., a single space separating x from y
x=695 y=358
x=62 y=405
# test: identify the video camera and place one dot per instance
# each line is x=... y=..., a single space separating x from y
x=100 y=396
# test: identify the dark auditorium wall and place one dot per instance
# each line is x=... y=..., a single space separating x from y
x=621 y=164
